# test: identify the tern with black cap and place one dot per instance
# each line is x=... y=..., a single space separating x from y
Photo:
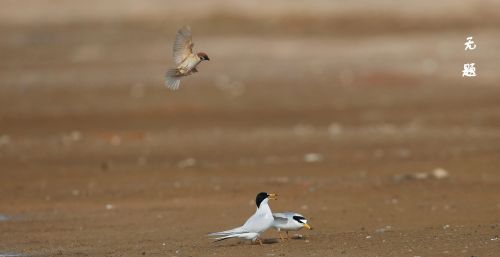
x=259 y=222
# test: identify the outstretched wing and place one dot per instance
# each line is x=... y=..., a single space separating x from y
x=183 y=45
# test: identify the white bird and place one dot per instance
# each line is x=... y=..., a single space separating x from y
x=184 y=58
x=289 y=221
x=259 y=222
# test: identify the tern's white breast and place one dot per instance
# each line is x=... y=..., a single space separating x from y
x=261 y=220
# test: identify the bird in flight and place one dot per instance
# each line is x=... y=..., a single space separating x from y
x=184 y=58
x=259 y=222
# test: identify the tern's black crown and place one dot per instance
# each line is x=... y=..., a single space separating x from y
x=260 y=197
x=299 y=219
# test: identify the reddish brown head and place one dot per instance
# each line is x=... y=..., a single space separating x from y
x=203 y=56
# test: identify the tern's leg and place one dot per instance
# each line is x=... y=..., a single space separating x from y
x=281 y=236
x=287 y=238
x=260 y=241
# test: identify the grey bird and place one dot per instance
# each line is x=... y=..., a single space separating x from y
x=184 y=58
x=289 y=221
x=259 y=222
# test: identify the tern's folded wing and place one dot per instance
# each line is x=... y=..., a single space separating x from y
x=279 y=220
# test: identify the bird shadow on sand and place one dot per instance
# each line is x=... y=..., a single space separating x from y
x=297 y=237
x=268 y=241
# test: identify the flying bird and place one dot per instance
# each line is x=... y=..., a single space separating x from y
x=259 y=222
x=184 y=58
x=289 y=221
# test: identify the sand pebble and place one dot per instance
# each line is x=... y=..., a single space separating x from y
x=335 y=129
x=4 y=139
x=281 y=180
x=75 y=135
x=109 y=206
x=189 y=162
x=313 y=157
x=440 y=173
x=298 y=236
x=384 y=229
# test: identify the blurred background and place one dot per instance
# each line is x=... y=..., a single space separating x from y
x=355 y=112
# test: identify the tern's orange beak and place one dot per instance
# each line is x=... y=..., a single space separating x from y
x=307 y=226
x=273 y=196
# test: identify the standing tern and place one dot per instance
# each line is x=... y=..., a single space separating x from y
x=289 y=221
x=259 y=222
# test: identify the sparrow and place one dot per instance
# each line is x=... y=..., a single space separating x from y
x=184 y=58
x=259 y=222
x=289 y=221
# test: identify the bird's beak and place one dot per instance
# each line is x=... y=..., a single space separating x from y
x=273 y=196
x=208 y=59
x=307 y=226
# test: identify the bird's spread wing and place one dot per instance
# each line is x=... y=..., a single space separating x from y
x=183 y=45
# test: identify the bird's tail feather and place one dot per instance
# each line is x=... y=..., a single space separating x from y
x=244 y=235
x=228 y=232
x=172 y=79
x=224 y=238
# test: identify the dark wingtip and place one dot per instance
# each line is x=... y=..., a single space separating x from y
x=220 y=239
